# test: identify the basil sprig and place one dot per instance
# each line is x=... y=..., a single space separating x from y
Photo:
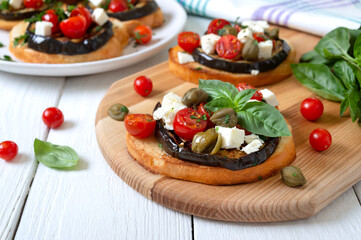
x=333 y=69
x=255 y=116
x=54 y=155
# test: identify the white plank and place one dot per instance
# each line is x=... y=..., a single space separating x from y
x=22 y=101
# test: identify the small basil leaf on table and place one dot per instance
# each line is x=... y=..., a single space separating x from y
x=344 y=105
x=243 y=97
x=319 y=79
x=54 y=155
x=343 y=71
x=314 y=57
x=218 y=89
x=335 y=44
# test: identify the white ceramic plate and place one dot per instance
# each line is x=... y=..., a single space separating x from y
x=175 y=18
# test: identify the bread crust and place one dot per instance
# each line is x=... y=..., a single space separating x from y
x=152 y=20
x=8 y=25
x=148 y=154
x=113 y=48
x=193 y=71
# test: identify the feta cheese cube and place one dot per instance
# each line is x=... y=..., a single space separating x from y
x=208 y=43
x=253 y=146
x=269 y=97
x=249 y=138
x=185 y=58
x=254 y=72
x=43 y=28
x=265 y=49
x=16 y=4
x=256 y=26
x=99 y=16
x=96 y=3
x=231 y=137
x=263 y=24
x=171 y=104
x=244 y=34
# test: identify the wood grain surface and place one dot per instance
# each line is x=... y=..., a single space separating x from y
x=329 y=173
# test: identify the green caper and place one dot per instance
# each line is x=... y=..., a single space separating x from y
x=225 y=117
x=273 y=33
x=218 y=145
x=250 y=50
x=194 y=96
x=292 y=176
x=204 y=142
x=228 y=29
x=118 y=112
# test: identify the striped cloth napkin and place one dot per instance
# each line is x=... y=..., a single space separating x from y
x=313 y=16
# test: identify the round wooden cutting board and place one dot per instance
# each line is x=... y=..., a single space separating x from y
x=328 y=173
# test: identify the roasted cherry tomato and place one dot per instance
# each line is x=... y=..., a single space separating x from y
x=33 y=3
x=217 y=24
x=8 y=150
x=73 y=27
x=260 y=37
x=53 y=117
x=188 y=122
x=51 y=16
x=188 y=41
x=208 y=114
x=143 y=85
x=228 y=46
x=118 y=5
x=142 y=34
x=311 y=109
x=139 y=125
x=320 y=139
x=257 y=95
x=82 y=11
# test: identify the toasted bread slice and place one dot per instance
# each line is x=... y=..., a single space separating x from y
x=148 y=154
x=8 y=25
x=113 y=48
x=193 y=71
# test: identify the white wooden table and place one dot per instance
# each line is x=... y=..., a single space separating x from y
x=90 y=201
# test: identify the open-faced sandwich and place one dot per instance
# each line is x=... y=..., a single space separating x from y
x=216 y=134
x=68 y=36
x=250 y=52
x=131 y=12
x=14 y=11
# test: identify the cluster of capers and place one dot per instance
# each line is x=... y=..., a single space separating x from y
x=118 y=111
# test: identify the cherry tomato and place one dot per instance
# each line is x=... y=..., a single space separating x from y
x=228 y=46
x=260 y=37
x=257 y=95
x=142 y=34
x=311 y=109
x=53 y=117
x=208 y=114
x=320 y=139
x=118 y=5
x=238 y=27
x=8 y=150
x=188 y=122
x=217 y=24
x=143 y=85
x=82 y=11
x=33 y=3
x=51 y=16
x=73 y=27
x=139 y=125
x=188 y=41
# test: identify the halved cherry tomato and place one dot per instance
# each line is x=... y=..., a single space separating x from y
x=202 y=110
x=82 y=11
x=51 y=16
x=139 y=125
x=33 y=3
x=311 y=109
x=320 y=139
x=188 y=41
x=238 y=27
x=8 y=150
x=188 y=122
x=228 y=46
x=143 y=85
x=257 y=95
x=260 y=37
x=118 y=5
x=142 y=34
x=217 y=24
x=53 y=117
x=73 y=27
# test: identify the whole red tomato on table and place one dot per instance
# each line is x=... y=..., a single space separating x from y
x=320 y=139
x=8 y=150
x=53 y=117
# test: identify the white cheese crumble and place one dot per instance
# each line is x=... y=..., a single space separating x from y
x=16 y=4
x=231 y=137
x=254 y=72
x=256 y=26
x=244 y=34
x=99 y=16
x=43 y=28
x=269 y=97
x=249 y=138
x=265 y=49
x=96 y=3
x=171 y=104
x=208 y=43
x=253 y=146
x=185 y=58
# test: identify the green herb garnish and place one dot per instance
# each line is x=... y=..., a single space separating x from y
x=105 y=5
x=1 y=45
x=124 y=109
x=160 y=145
x=6 y=58
x=259 y=177
x=227 y=118
x=4 y=5
x=35 y=18
x=204 y=117
x=70 y=8
x=197 y=68
x=23 y=39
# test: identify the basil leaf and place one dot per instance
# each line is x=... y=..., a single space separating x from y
x=219 y=103
x=343 y=71
x=357 y=47
x=314 y=57
x=334 y=44
x=319 y=79
x=353 y=36
x=355 y=104
x=218 y=89
x=242 y=98
x=344 y=105
x=54 y=155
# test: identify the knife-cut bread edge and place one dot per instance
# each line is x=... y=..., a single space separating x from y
x=152 y=20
